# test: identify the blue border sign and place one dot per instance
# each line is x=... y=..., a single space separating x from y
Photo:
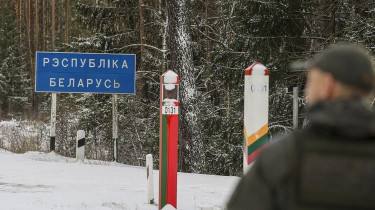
x=85 y=73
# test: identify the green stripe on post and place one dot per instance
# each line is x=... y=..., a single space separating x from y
x=164 y=157
x=258 y=143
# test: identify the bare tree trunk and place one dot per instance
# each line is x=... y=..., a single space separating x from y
x=67 y=19
x=43 y=27
x=31 y=50
x=28 y=26
x=214 y=95
x=164 y=32
x=142 y=87
x=142 y=25
x=36 y=32
x=59 y=16
x=35 y=103
x=191 y=149
x=53 y=25
x=20 y=20
x=36 y=48
x=207 y=4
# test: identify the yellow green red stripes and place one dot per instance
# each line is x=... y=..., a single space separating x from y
x=254 y=143
x=252 y=157
x=251 y=148
x=256 y=135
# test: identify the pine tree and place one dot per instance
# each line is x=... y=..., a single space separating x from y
x=14 y=80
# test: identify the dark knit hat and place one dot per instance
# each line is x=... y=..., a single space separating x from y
x=348 y=64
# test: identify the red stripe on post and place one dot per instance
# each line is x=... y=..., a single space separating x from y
x=178 y=80
x=172 y=160
x=249 y=69
x=251 y=158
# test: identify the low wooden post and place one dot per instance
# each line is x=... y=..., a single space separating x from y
x=114 y=127
x=80 y=146
x=150 y=179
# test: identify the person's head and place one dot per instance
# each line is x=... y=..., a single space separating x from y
x=340 y=72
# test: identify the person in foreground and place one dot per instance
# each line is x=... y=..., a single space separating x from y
x=330 y=164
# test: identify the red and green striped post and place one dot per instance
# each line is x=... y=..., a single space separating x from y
x=168 y=139
x=255 y=112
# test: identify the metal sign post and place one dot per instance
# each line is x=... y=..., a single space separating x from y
x=169 y=112
x=255 y=112
x=53 y=123
x=114 y=126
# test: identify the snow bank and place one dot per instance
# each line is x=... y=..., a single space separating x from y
x=36 y=180
x=49 y=157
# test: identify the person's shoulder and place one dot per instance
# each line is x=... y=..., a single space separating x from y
x=278 y=147
x=274 y=160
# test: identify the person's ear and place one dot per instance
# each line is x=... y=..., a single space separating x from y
x=330 y=84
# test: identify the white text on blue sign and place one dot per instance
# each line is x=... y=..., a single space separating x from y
x=85 y=72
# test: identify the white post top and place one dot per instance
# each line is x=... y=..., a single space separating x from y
x=170 y=77
x=257 y=69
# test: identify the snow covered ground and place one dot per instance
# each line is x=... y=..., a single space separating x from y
x=37 y=180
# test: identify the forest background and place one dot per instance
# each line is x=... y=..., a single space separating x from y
x=207 y=42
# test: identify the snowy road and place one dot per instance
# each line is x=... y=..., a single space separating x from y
x=48 y=181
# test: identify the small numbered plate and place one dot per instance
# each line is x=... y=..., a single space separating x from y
x=170 y=110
